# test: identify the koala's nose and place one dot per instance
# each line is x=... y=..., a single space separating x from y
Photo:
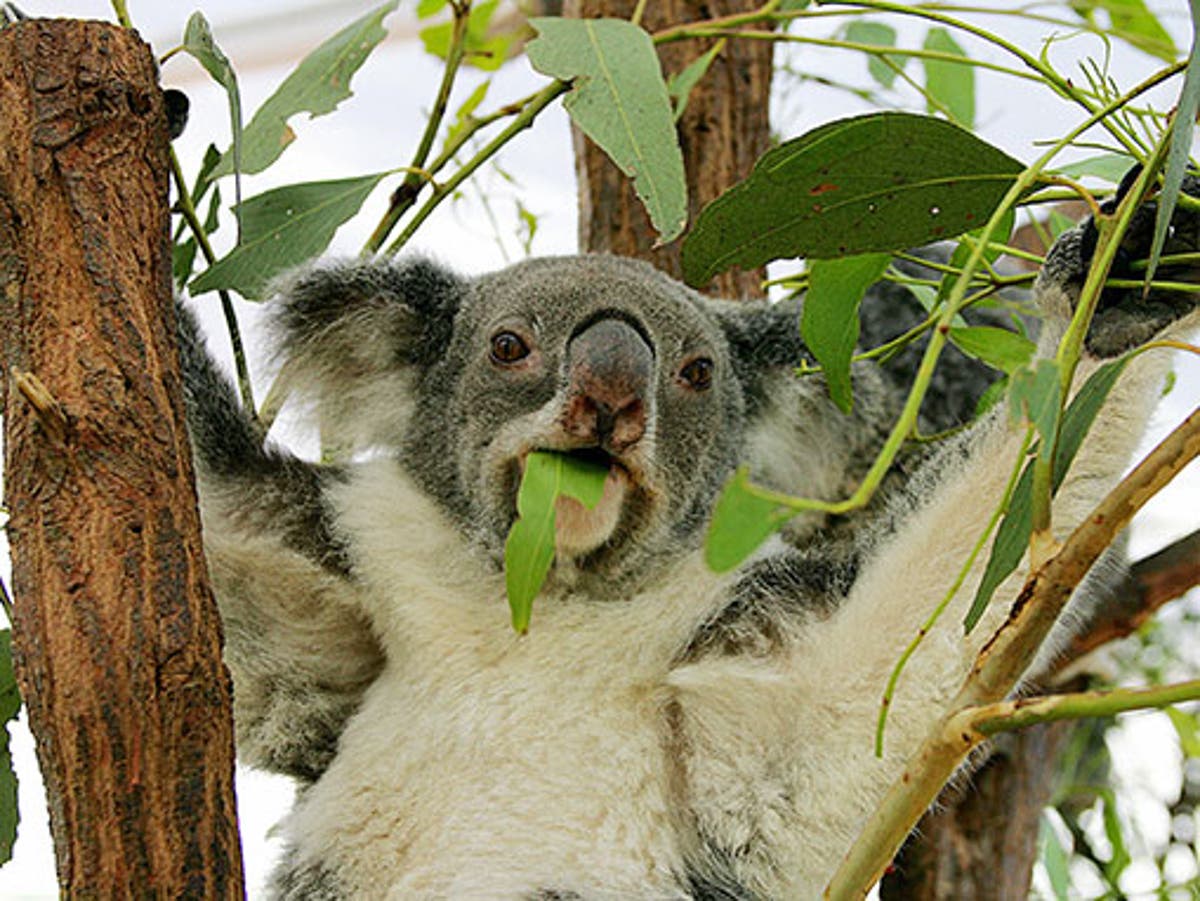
x=610 y=370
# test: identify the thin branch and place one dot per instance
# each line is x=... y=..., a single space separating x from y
x=1002 y=661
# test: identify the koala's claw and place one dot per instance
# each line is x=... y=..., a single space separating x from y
x=1127 y=316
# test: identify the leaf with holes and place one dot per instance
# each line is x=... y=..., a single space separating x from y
x=529 y=549
x=620 y=101
x=872 y=183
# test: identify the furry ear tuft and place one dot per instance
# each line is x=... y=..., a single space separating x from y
x=351 y=336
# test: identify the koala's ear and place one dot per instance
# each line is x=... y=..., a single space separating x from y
x=351 y=336
x=763 y=339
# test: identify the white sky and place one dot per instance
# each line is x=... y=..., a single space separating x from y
x=377 y=129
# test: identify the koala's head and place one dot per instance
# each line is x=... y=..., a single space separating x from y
x=597 y=356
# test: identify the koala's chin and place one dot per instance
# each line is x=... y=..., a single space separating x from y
x=579 y=530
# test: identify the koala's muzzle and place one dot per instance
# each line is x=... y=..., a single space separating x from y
x=610 y=373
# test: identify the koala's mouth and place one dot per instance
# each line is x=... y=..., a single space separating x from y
x=580 y=530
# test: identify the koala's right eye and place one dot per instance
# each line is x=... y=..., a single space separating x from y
x=508 y=347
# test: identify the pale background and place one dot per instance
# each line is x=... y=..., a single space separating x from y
x=377 y=129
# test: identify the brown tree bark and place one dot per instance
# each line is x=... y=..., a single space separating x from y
x=724 y=129
x=117 y=640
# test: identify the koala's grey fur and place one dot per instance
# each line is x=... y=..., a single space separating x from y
x=662 y=732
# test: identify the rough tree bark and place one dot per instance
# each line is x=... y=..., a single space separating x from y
x=723 y=131
x=117 y=640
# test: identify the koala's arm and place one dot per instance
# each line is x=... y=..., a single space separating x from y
x=299 y=653
x=781 y=767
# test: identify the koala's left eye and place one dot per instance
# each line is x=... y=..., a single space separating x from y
x=509 y=347
x=698 y=374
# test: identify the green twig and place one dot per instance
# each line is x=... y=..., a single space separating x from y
x=188 y=210
x=1020 y=713
x=406 y=194
x=121 y=11
x=523 y=121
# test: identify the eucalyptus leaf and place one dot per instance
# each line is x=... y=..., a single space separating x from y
x=877 y=34
x=1016 y=526
x=1034 y=394
x=10 y=704
x=1183 y=130
x=530 y=547
x=283 y=228
x=998 y=347
x=1110 y=167
x=1055 y=860
x=199 y=43
x=950 y=85
x=829 y=319
x=620 y=101
x=317 y=85
x=680 y=85
x=1133 y=22
x=742 y=520
x=866 y=184
x=482 y=48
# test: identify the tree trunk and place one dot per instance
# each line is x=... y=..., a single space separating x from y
x=117 y=640
x=724 y=129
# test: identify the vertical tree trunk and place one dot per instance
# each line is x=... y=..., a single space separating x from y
x=117 y=640
x=724 y=129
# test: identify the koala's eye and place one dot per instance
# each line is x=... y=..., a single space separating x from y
x=508 y=347
x=698 y=374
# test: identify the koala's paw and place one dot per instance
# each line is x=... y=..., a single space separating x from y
x=1125 y=317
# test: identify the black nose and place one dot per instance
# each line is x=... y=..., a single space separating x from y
x=610 y=369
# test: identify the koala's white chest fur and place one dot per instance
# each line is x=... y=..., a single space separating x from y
x=489 y=764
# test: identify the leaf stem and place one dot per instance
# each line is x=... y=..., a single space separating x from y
x=405 y=195
x=188 y=210
x=523 y=121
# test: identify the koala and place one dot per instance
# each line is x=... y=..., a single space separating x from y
x=662 y=731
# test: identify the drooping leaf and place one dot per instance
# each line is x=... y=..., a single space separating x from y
x=317 y=85
x=1183 y=130
x=1055 y=860
x=1186 y=728
x=10 y=703
x=483 y=48
x=998 y=347
x=198 y=42
x=530 y=547
x=1034 y=394
x=283 y=228
x=950 y=85
x=620 y=101
x=680 y=85
x=877 y=34
x=1131 y=21
x=829 y=320
x=741 y=521
x=870 y=183
x=1012 y=536
x=1115 y=833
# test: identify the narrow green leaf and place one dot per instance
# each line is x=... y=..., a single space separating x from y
x=877 y=34
x=866 y=184
x=1187 y=730
x=742 y=520
x=10 y=703
x=679 y=86
x=1115 y=834
x=1035 y=394
x=966 y=247
x=317 y=85
x=1012 y=536
x=283 y=228
x=199 y=43
x=998 y=347
x=530 y=546
x=620 y=101
x=950 y=85
x=463 y=114
x=1110 y=167
x=1183 y=130
x=829 y=319
x=1055 y=860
